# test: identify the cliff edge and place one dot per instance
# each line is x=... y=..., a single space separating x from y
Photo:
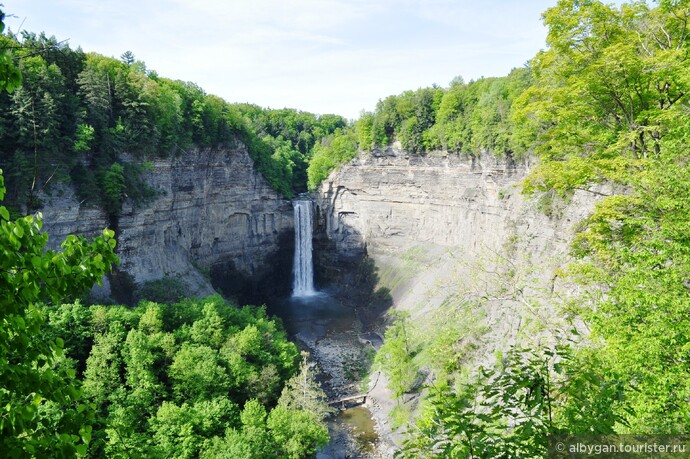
x=214 y=223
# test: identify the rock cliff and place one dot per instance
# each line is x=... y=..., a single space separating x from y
x=214 y=222
x=444 y=230
x=455 y=244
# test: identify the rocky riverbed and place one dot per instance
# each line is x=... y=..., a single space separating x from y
x=333 y=335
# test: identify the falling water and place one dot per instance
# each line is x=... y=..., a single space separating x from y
x=303 y=281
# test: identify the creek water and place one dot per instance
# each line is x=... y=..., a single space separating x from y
x=329 y=330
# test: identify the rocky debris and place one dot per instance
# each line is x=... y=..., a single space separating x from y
x=343 y=358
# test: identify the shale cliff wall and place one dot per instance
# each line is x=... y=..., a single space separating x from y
x=450 y=234
x=213 y=213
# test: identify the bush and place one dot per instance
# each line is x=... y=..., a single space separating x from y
x=167 y=290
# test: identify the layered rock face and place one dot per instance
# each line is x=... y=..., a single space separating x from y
x=212 y=214
x=445 y=232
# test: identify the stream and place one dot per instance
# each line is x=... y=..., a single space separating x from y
x=330 y=331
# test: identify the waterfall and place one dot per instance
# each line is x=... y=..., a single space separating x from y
x=303 y=270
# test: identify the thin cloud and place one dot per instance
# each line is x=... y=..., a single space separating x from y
x=324 y=56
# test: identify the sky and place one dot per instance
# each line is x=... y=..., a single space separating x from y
x=320 y=56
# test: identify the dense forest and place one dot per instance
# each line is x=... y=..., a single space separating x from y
x=96 y=122
x=466 y=119
x=607 y=101
x=199 y=378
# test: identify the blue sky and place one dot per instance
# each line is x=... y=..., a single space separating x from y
x=322 y=56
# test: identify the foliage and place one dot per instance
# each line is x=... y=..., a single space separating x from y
x=10 y=76
x=510 y=410
x=292 y=136
x=470 y=118
x=636 y=248
x=395 y=357
x=298 y=433
x=302 y=392
x=192 y=379
x=329 y=154
x=113 y=188
x=83 y=138
x=164 y=290
x=450 y=337
x=43 y=413
x=610 y=104
x=610 y=88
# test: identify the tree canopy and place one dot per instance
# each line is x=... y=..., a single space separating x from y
x=187 y=379
x=606 y=103
x=84 y=119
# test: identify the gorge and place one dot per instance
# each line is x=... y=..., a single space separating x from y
x=422 y=234
x=484 y=265
x=451 y=242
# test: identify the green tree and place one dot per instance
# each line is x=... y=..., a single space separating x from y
x=197 y=373
x=395 y=357
x=329 y=154
x=296 y=433
x=182 y=431
x=127 y=57
x=95 y=88
x=83 y=138
x=254 y=429
x=10 y=76
x=31 y=380
x=303 y=392
x=511 y=409
x=177 y=374
x=612 y=84
x=609 y=103
x=113 y=188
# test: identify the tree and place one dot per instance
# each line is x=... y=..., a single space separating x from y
x=197 y=373
x=127 y=57
x=610 y=103
x=611 y=86
x=395 y=358
x=95 y=88
x=155 y=371
x=30 y=378
x=10 y=76
x=182 y=431
x=296 y=433
x=511 y=409
x=303 y=392
x=113 y=189
x=330 y=153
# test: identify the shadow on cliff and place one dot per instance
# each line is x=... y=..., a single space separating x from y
x=349 y=275
x=362 y=292
x=273 y=280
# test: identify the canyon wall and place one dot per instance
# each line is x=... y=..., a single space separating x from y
x=452 y=235
x=214 y=222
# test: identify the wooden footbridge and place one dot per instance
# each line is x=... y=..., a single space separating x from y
x=349 y=402
x=354 y=400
